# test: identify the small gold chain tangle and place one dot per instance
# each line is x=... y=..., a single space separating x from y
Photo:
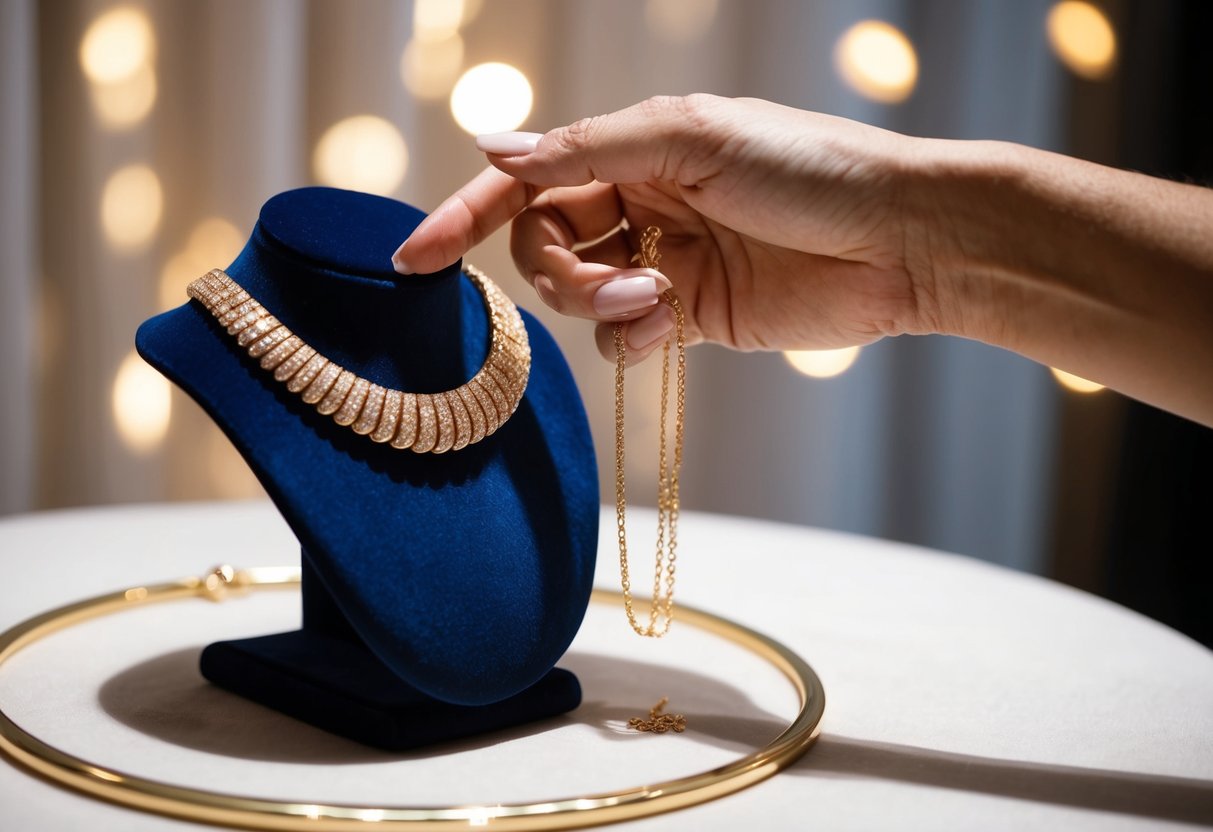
x=658 y=721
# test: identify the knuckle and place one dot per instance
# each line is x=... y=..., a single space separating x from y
x=690 y=128
x=659 y=105
x=696 y=107
x=579 y=135
x=699 y=108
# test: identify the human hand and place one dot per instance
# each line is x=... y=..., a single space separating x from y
x=783 y=229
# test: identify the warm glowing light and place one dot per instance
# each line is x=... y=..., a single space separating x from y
x=142 y=404
x=362 y=153
x=877 y=61
x=436 y=19
x=1076 y=383
x=429 y=67
x=491 y=98
x=822 y=363
x=117 y=45
x=116 y=54
x=177 y=273
x=680 y=21
x=131 y=204
x=214 y=242
x=1082 y=37
x=126 y=102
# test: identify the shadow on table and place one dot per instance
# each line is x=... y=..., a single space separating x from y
x=1126 y=793
x=167 y=698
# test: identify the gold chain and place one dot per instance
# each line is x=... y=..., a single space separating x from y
x=661 y=605
x=658 y=722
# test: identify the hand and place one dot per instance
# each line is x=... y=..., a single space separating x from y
x=783 y=229
x=791 y=230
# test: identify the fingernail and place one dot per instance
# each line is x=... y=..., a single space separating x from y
x=399 y=263
x=508 y=144
x=625 y=294
x=653 y=327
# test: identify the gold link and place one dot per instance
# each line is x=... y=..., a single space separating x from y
x=658 y=722
x=661 y=605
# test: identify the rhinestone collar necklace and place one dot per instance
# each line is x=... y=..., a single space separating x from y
x=422 y=422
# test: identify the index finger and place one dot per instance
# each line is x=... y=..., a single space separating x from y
x=465 y=218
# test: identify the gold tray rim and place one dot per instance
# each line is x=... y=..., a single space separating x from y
x=225 y=809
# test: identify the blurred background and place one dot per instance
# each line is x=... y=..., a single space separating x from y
x=140 y=139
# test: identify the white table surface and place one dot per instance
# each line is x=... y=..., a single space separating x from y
x=959 y=695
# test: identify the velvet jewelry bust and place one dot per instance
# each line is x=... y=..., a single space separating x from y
x=439 y=590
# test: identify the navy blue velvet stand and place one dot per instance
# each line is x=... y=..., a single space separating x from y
x=439 y=591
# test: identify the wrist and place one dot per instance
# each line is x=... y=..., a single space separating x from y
x=961 y=198
x=1102 y=272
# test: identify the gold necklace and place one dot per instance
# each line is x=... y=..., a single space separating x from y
x=423 y=422
x=661 y=605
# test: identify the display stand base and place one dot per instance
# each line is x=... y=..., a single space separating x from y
x=325 y=676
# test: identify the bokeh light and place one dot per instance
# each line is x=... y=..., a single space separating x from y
x=142 y=404
x=1078 y=384
x=491 y=98
x=362 y=153
x=429 y=67
x=116 y=55
x=127 y=102
x=215 y=240
x=436 y=19
x=179 y=270
x=132 y=202
x=680 y=21
x=876 y=60
x=822 y=363
x=116 y=45
x=213 y=243
x=1082 y=37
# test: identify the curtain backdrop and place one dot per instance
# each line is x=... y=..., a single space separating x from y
x=933 y=440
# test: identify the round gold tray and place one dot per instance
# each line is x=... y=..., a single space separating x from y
x=234 y=810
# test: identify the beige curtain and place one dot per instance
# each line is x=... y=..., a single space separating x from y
x=945 y=443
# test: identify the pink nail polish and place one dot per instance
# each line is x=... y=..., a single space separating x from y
x=625 y=294
x=508 y=144
x=399 y=263
x=650 y=329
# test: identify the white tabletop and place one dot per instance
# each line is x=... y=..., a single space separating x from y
x=959 y=695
